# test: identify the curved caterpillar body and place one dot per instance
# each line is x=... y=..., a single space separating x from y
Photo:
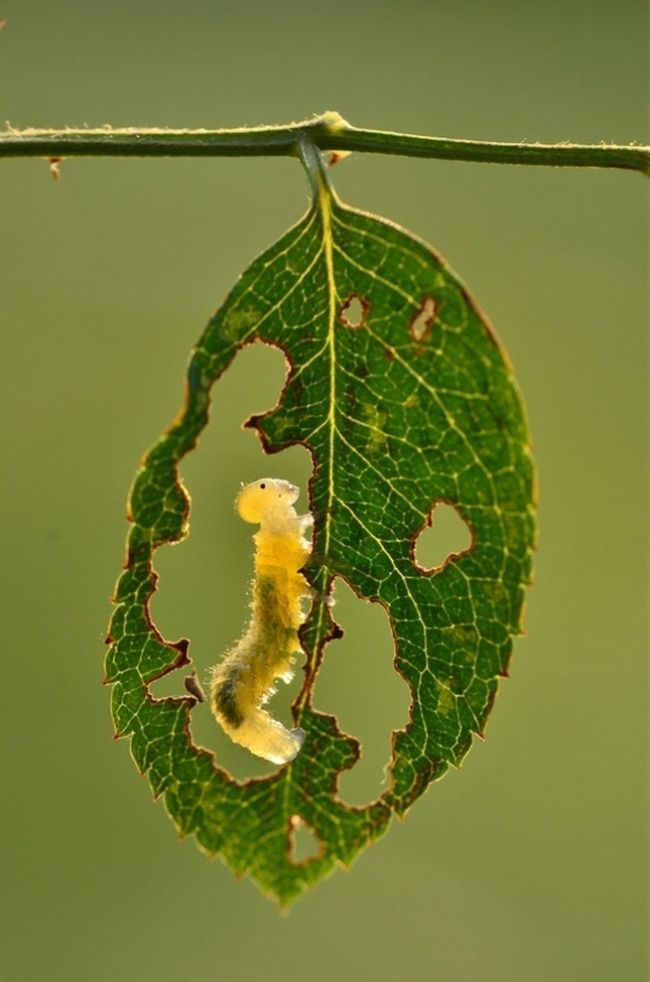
x=244 y=680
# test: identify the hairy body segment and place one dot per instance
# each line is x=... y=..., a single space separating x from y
x=245 y=679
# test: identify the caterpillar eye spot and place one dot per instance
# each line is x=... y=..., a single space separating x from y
x=263 y=486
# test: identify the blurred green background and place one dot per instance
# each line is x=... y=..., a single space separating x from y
x=530 y=864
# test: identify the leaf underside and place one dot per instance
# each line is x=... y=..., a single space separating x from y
x=404 y=398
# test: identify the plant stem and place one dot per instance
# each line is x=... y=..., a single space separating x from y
x=327 y=132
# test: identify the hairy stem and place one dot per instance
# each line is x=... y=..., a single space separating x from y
x=327 y=132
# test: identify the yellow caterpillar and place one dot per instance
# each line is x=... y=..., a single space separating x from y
x=244 y=680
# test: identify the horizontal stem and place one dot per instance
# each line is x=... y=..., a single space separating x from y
x=327 y=132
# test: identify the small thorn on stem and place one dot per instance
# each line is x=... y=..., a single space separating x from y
x=54 y=167
x=337 y=156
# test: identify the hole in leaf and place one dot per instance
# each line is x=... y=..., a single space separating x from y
x=304 y=844
x=446 y=535
x=423 y=321
x=358 y=683
x=353 y=312
x=204 y=582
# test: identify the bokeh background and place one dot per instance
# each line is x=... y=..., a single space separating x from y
x=530 y=863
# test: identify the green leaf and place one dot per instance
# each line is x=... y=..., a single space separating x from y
x=405 y=398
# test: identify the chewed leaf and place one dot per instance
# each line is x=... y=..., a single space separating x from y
x=406 y=401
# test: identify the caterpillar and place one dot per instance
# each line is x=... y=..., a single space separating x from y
x=244 y=680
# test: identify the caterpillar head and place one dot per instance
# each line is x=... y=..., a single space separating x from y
x=266 y=497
